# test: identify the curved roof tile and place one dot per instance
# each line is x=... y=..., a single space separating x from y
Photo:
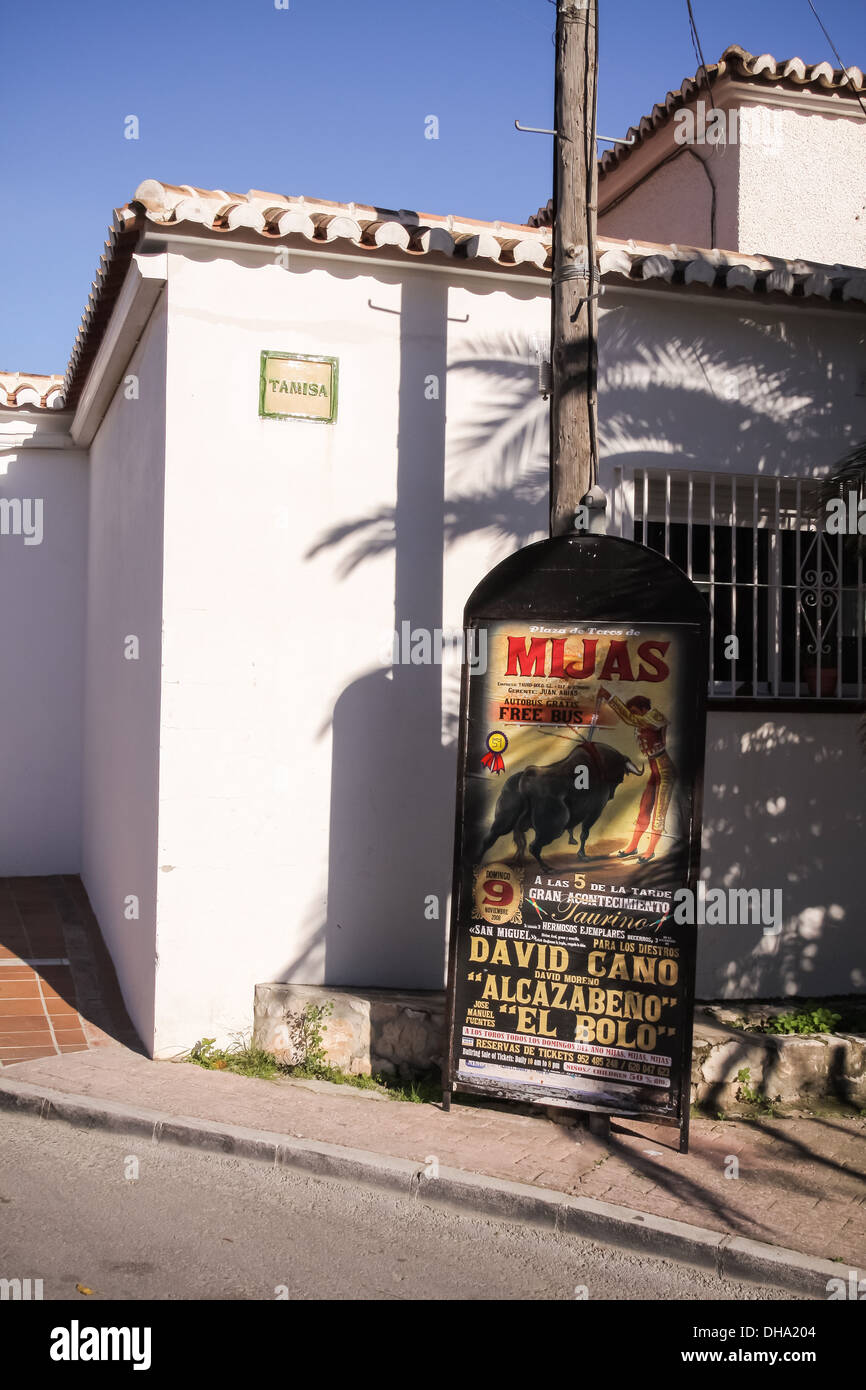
x=31 y=388
x=378 y=232
x=487 y=244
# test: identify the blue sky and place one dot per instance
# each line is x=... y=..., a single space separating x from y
x=326 y=98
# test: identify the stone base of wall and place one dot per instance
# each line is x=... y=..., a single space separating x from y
x=370 y=1032
x=792 y=1070
x=402 y=1034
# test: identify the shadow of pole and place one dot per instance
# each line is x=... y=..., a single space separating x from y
x=392 y=782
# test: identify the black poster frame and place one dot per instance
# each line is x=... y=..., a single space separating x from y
x=584 y=579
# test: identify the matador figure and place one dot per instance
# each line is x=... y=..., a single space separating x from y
x=650 y=730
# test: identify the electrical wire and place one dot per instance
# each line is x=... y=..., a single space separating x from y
x=699 y=52
x=835 y=51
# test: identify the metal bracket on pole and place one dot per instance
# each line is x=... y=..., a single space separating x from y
x=534 y=129
x=608 y=139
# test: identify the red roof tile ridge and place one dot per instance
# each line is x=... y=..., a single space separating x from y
x=509 y=247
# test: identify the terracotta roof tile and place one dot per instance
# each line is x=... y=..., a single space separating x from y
x=123 y=235
x=31 y=388
x=488 y=246
x=503 y=245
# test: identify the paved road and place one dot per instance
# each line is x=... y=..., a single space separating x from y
x=191 y=1225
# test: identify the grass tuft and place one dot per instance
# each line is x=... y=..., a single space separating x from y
x=243 y=1058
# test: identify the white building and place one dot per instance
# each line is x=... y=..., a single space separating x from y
x=200 y=716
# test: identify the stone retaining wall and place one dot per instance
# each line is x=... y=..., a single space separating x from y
x=371 y=1031
x=791 y=1069
x=402 y=1034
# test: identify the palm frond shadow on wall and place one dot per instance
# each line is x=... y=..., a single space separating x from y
x=663 y=404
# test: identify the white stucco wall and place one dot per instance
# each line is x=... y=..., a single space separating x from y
x=305 y=801
x=727 y=383
x=769 y=391
x=785 y=809
x=42 y=641
x=291 y=824
x=122 y=710
x=804 y=195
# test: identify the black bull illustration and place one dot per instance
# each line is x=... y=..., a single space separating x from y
x=545 y=799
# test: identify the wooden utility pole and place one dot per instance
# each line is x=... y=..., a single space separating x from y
x=573 y=449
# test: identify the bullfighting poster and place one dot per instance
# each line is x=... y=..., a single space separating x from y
x=571 y=983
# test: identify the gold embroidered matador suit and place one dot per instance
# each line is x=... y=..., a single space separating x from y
x=650 y=730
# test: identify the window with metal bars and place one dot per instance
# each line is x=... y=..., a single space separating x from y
x=790 y=593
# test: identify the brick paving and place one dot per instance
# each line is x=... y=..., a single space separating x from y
x=58 y=993
x=800 y=1182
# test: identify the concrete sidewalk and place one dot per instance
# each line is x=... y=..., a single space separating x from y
x=800 y=1182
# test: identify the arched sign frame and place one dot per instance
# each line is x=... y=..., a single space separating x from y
x=570 y=982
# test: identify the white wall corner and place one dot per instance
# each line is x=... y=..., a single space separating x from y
x=145 y=280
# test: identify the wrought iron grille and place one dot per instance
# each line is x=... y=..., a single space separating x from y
x=789 y=593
